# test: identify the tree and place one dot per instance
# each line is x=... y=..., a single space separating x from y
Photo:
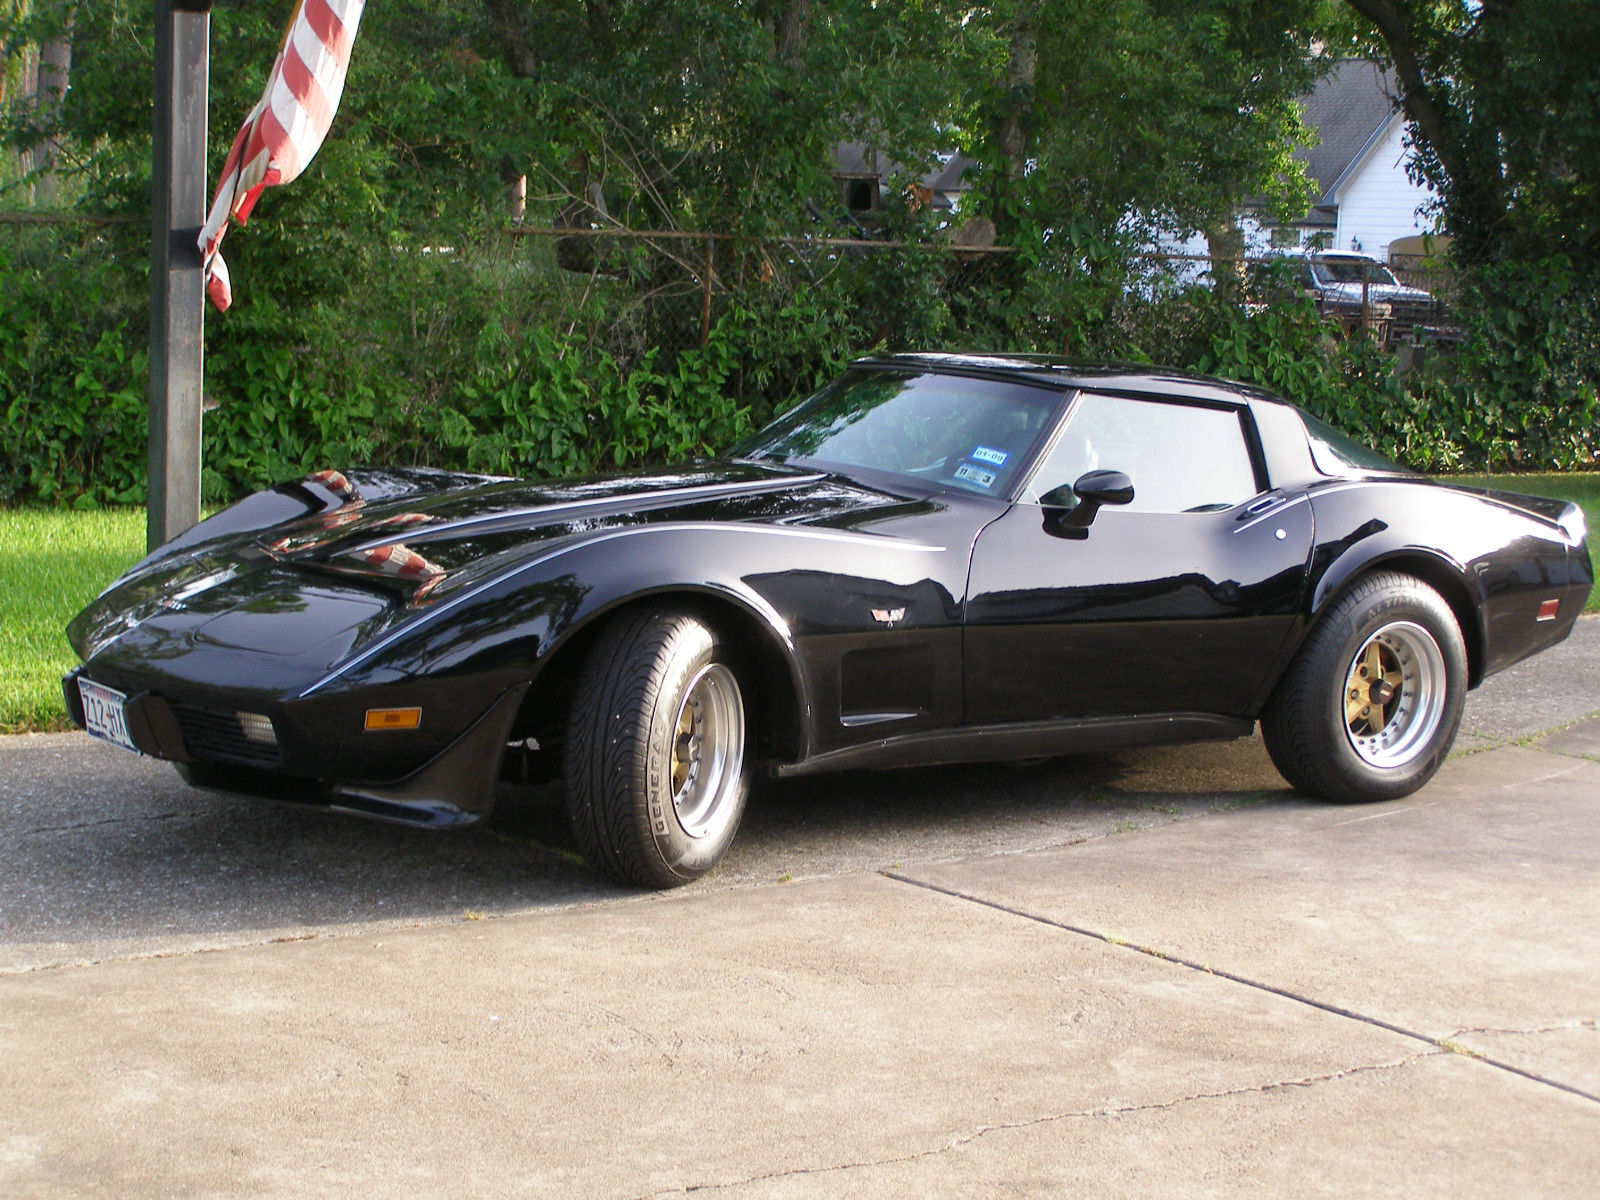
x=35 y=72
x=725 y=115
x=1178 y=111
x=1503 y=101
x=718 y=115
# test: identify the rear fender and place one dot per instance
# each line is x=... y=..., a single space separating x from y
x=1459 y=589
x=1461 y=546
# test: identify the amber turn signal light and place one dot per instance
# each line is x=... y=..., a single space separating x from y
x=393 y=718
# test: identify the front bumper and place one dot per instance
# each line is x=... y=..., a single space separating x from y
x=452 y=784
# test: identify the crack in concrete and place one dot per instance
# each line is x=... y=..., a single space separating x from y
x=1527 y=741
x=1520 y=784
x=1158 y=817
x=40 y=829
x=1243 y=980
x=1102 y=1112
x=1577 y=754
x=252 y=939
x=1584 y=1024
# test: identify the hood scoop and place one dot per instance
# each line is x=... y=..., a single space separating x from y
x=563 y=512
x=355 y=529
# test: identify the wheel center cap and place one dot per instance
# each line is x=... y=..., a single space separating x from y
x=1381 y=692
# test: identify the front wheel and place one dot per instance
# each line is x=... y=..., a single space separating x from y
x=656 y=770
x=1370 y=706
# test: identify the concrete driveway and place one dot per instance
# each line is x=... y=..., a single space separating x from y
x=1154 y=973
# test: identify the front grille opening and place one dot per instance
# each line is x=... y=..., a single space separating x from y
x=221 y=734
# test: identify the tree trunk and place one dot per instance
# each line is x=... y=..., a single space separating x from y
x=19 y=72
x=602 y=26
x=55 y=73
x=1014 y=123
x=1225 y=241
x=26 y=75
x=789 y=36
x=1477 y=189
x=515 y=49
x=1415 y=95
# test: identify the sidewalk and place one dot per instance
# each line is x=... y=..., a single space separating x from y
x=1275 y=998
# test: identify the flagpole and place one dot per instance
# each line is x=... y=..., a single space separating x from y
x=177 y=281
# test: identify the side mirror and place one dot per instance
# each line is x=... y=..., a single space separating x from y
x=1094 y=489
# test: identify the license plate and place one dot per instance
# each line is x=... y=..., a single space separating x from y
x=104 y=713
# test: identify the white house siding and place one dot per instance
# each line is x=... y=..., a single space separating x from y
x=1377 y=203
x=1181 y=260
x=1257 y=238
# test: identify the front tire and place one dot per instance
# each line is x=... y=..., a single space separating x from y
x=1370 y=706
x=656 y=773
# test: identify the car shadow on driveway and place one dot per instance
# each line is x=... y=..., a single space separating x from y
x=103 y=854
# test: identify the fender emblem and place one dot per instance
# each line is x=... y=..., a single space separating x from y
x=889 y=616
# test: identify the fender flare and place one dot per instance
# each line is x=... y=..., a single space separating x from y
x=760 y=618
x=619 y=581
x=1457 y=585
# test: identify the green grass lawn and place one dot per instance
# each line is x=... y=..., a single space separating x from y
x=53 y=563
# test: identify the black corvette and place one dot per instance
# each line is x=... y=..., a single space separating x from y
x=935 y=559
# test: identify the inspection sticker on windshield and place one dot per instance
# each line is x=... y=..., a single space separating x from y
x=977 y=475
x=995 y=458
x=103 y=713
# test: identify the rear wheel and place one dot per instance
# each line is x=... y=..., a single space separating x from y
x=1370 y=706
x=656 y=770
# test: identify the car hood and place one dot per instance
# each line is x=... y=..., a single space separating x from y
x=475 y=516
x=484 y=525
x=1383 y=292
x=383 y=547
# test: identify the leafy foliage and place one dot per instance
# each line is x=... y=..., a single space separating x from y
x=1175 y=111
x=72 y=364
x=1527 y=377
x=382 y=314
x=1504 y=105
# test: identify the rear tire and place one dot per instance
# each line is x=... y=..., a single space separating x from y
x=656 y=766
x=1370 y=706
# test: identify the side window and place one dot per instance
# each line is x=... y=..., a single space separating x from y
x=1181 y=458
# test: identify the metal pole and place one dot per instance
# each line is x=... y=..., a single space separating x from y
x=705 y=311
x=177 y=284
x=1366 y=298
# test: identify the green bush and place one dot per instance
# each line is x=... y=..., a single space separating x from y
x=1522 y=391
x=1349 y=383
x=470 y=352
x=72 y=370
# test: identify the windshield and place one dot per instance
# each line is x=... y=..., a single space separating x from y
x=1350 y=270
x=1338 y=455
x=968 y=434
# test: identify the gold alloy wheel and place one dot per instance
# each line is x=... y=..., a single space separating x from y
x=708 y=752
x=1394 y=695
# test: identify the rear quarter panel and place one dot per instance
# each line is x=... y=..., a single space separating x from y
x=1500 y=563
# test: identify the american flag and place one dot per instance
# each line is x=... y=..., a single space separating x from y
x=286 y=128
